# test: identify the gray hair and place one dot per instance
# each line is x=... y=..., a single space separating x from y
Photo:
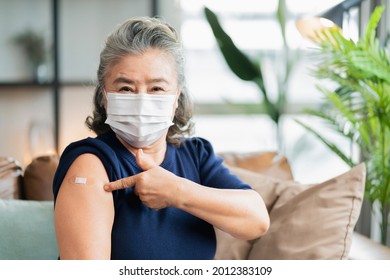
x=136 y=36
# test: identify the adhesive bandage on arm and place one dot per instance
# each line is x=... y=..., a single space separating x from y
x=80 y=180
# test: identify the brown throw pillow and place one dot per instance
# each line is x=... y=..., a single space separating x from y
x=317 y=223
x=38 y=178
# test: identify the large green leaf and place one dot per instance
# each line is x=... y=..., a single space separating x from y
x=238 y=62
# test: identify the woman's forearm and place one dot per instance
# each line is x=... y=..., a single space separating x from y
x=241 y=213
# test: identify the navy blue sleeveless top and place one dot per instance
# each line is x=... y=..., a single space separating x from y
x=138 y=231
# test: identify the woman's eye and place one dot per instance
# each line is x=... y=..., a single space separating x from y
x=157 y=89
x=126 y=89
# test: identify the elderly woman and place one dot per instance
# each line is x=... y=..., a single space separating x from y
x=144 y=189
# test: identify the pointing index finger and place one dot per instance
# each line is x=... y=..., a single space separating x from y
x=120 y=184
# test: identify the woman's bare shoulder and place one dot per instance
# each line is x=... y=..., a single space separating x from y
x=84 y=181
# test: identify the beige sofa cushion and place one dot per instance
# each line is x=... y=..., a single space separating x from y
x=307 y=221
x=267 y=163
x=317 y=223
x=270 y=189
x=249 y=167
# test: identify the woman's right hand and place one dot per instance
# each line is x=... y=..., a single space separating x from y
x=156 y=187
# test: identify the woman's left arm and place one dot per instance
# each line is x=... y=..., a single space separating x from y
x=241 y=213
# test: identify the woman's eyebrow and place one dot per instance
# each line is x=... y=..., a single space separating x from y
x=157 y=80
x=129 y=81
x=123 y=80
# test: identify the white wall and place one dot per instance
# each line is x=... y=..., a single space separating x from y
x=84 y=25
x=19 y=108
x=76 y=105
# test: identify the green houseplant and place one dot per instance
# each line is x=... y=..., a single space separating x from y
x=358 y=107
x=248 y=69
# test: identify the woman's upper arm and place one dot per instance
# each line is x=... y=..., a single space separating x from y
x=84 y=212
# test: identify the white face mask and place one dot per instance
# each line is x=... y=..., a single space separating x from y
x=139 y=119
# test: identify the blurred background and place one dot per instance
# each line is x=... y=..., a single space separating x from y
x=49 y=53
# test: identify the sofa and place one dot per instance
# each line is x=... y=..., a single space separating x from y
x=26 y=210
x=313 y=221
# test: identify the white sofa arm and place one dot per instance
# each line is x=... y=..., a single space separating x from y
x=363 y=248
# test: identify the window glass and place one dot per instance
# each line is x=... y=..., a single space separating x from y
x=255 y=30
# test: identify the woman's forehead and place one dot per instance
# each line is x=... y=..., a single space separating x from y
x=154 y=66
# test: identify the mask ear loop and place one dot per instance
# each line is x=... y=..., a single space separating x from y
x=176 y=104
x=105 y=101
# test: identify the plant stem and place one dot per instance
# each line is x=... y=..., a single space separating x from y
x=384 y=206
x=385 y=224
